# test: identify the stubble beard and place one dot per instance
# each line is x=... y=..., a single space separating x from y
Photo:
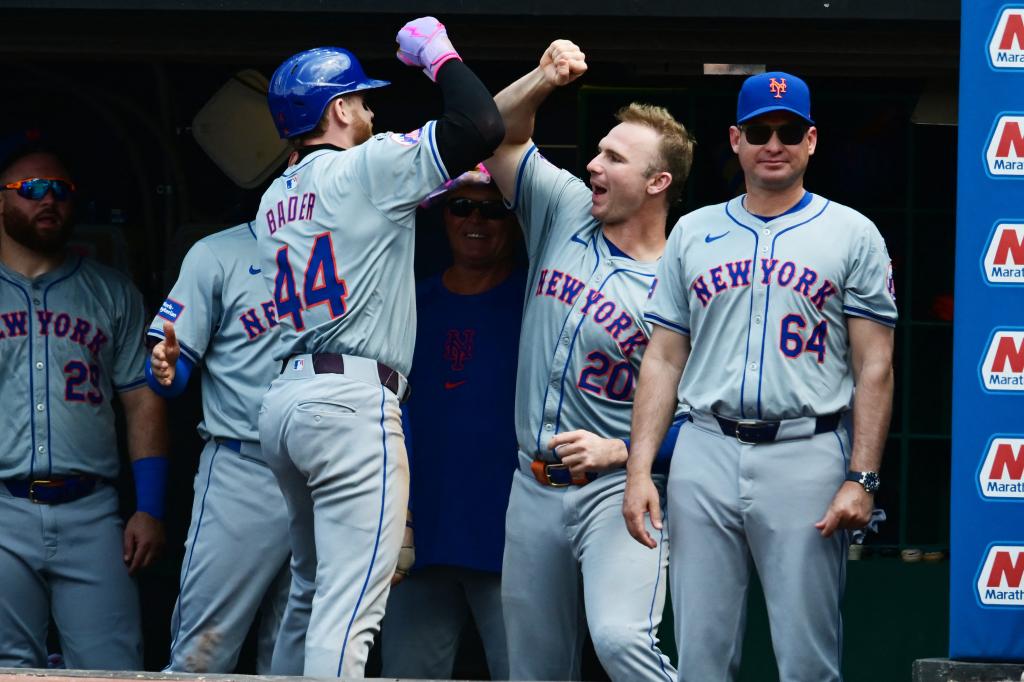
x=23 y=230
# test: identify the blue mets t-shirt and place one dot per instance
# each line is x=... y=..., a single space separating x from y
x=462 y=412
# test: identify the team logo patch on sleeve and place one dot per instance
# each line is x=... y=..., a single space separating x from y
x=407 y=139
x=890 y=283
x=171 y=310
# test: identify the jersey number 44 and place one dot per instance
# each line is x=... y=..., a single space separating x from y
x=321 y=284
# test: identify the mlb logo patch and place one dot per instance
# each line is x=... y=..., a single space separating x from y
x=291 y=182
x=170 y=310
x=1001 y=475
x=1006 y=46
x=1003 y=260
x=1004 y=153
x=1000 y=577
x=298 y=364
x=407 y=139
x=1002 y=368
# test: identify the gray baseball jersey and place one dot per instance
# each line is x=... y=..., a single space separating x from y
x=582 y=340
x=765 y=303
x=770 y=301
x=235 y=552
x=336 y=243
x=225 y=322
x=71 y=338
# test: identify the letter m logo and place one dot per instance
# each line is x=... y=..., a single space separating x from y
x=1002 y=572
x=1002 y=470
x=458 y=347
x=1004 y=153
x=1006 y=46
x=1002 y=368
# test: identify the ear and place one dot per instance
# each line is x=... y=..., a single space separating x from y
x=659 y=182
x=734 y=138
x=812 y=139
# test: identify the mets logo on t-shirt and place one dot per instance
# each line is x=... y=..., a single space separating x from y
x=407 y=139
x=458 y=347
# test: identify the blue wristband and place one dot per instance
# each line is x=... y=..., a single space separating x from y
x=182 y=371
x=150 y=475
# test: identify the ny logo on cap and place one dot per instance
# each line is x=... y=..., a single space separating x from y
x=777 y=86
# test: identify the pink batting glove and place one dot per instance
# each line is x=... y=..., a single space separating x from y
x=424 y=43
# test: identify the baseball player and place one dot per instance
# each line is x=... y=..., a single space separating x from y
x=593 y=253
x=775 y=304
x=219 y=315
x=335 y=237
x=71 y=336
x=465 y=364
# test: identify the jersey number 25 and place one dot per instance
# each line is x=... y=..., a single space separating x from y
x=320 y=283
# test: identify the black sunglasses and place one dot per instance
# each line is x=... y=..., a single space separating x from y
x=489 y=210
x=761 y=133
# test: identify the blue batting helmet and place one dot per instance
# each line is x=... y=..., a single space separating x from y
x=303 y=85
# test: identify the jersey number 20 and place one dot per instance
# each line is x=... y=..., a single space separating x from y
x=320 y=283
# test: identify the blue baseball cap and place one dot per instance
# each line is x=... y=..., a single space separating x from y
x=773 y=91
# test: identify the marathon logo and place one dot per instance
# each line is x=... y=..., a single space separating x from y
x=999 y=581
x=171 y=310
x=1004 y=258
x=1004 y=156
x=1002 y=472
x=1003 y=366
x=1006 y=46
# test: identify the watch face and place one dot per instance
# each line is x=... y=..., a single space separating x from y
x=870 y=481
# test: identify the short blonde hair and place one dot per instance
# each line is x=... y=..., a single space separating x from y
x=675 y=147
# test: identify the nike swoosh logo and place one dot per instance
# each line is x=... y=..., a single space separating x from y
x=449 y=385
x=708 y=238
x=253 y=270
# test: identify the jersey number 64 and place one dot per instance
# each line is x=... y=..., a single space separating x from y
x=320 y=283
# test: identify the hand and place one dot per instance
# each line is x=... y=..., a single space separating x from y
x=582 y=451
x=406 y=557
x=562 y=63
x=424 y=43
x=851 y=508
x=143 y=541
x=165 y=355
x=641 y=499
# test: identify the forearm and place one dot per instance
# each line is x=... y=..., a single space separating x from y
x=653 y=409
x=518 y=104
x=872 y=410
x=470 y=129
x=146 y=417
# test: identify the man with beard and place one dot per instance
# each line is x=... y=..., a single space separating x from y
x=71 y=339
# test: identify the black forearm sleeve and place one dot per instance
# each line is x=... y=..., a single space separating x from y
x=470 y=129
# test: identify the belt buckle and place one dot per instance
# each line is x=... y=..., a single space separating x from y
x=752 y=423
x=559 y=467
x=32 y=490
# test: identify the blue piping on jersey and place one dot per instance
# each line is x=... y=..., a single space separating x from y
x=750 y=313
x=251 y=231
x=432 y=144
x=31 y=387
x=191 y=551
x=288 y=172
x=842 y=568
x=46 y=346
x=572 y=344
x=519 y=175
x=650 y=614
x=767 y=297
x=861 y=312
x=380 y=525
x=547 y=384
x=657 y=319
x=576 y=238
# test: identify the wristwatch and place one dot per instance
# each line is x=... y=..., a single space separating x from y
x=868 y=479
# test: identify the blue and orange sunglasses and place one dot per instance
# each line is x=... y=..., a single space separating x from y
x=35 y=189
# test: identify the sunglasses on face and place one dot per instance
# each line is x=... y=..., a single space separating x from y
x=761 y=133
x=489 y=210
x=36 y=188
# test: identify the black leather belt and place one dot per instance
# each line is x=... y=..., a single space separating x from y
x=334 y=363
x=57 y=490
x=752 y=431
